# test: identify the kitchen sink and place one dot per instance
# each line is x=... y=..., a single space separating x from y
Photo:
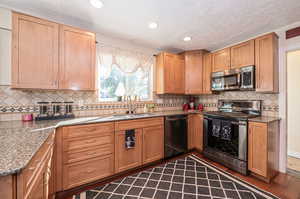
x=125 y=116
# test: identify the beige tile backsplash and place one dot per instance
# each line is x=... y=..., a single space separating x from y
x=14 y=103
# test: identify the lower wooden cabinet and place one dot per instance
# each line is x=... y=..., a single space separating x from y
x=86 y=171
x=153 y=144
x=263 y=149
x=128 y=158
x=34 y=181
x=195 y=131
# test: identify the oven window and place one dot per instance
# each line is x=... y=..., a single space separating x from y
x=230 y=147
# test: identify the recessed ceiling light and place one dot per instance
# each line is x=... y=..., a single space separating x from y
x=187 y=38
x=152 y=25
x=96 y=3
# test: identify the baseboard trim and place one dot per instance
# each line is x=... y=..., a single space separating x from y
x=294 y=154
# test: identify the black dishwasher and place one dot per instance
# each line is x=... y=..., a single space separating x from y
x=176 y=141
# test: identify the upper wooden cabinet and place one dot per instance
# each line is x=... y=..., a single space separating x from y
x=77 y=59
x=193 y=72
x=207 y=69
x=46 y=55
x=263 y=149
x=170 y=74
x=242 y=54
x=266 y=62
x=221 y=60
x=34 y=53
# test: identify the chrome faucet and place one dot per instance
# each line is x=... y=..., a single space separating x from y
x=131 y=104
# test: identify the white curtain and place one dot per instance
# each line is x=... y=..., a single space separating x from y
x=128 y=61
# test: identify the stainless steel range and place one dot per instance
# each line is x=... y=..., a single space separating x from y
x=226 y=132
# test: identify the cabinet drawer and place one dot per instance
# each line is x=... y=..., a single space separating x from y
x=87 y=171
x=87 y=130
x=38 y=160
x=139 y=123
x=79 y=144
x=71 y=157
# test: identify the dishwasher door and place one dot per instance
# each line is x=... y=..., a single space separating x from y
x=176 y=141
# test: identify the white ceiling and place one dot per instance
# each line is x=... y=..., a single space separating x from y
x=212 y=24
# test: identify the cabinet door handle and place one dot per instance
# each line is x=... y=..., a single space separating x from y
x=90 y=171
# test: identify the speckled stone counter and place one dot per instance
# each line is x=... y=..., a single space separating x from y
x=264 y=119
x=19 y=141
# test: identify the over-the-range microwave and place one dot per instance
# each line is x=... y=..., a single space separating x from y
x=234 y=79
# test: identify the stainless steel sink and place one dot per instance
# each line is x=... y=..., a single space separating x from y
x=126 y=116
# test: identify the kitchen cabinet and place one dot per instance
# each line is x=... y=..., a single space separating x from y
x=34 y=53
x=149 y=145
x=126 y=159
x=266 y=62
x=221 y=60
x=47 y=55
x=242 y=55
x=263 y=149
x=8 y=187
x=195 y=132
x=78 y=73
x=34 y=181
x=193 y=72
x=207 y=69
x=84 y=153
x=153 y=144
x=170 y=74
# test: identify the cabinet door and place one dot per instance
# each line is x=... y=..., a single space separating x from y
x=34 y=53
x=77 y=59
x=193 y=72
x=195 y=132
x=257 y=148
x=242 y=54
x=168 y=70
x=221 y=60
x=207 y=68
x=153 y=144
x=128 y=158
x=266 y=62
x=178 y=74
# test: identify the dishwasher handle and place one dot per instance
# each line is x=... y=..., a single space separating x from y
x=174 y=118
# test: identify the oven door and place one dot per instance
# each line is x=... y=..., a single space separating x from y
x=235 y=147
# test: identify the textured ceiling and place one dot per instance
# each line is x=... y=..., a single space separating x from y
x=211 y=23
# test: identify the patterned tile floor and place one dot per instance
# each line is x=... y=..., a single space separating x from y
x=186 y=178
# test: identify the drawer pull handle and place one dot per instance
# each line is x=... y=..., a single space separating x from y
x=93 y=129
x=90 y=141
x=90 y=171
x=91 y=153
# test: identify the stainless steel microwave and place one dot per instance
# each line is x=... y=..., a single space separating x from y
x=234 y=79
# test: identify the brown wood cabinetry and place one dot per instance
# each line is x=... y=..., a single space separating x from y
x=242 y=54
x=266 y=62
x=8 y=187
x=153 y=143
x=221 y=60
x=193 y=72
x=263 y=149
x=207 y=69
x=170 y=74
x=84 y=154
x=128 y=158
x=195 y=132
x=34 y=53
x=78 y=73
x=34 y=181
x=47 y=55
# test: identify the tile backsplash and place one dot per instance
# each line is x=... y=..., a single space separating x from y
x=269 y=101
x=14 y=103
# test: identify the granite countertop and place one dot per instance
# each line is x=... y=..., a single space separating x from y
x=264 y=119
x=19 y=141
